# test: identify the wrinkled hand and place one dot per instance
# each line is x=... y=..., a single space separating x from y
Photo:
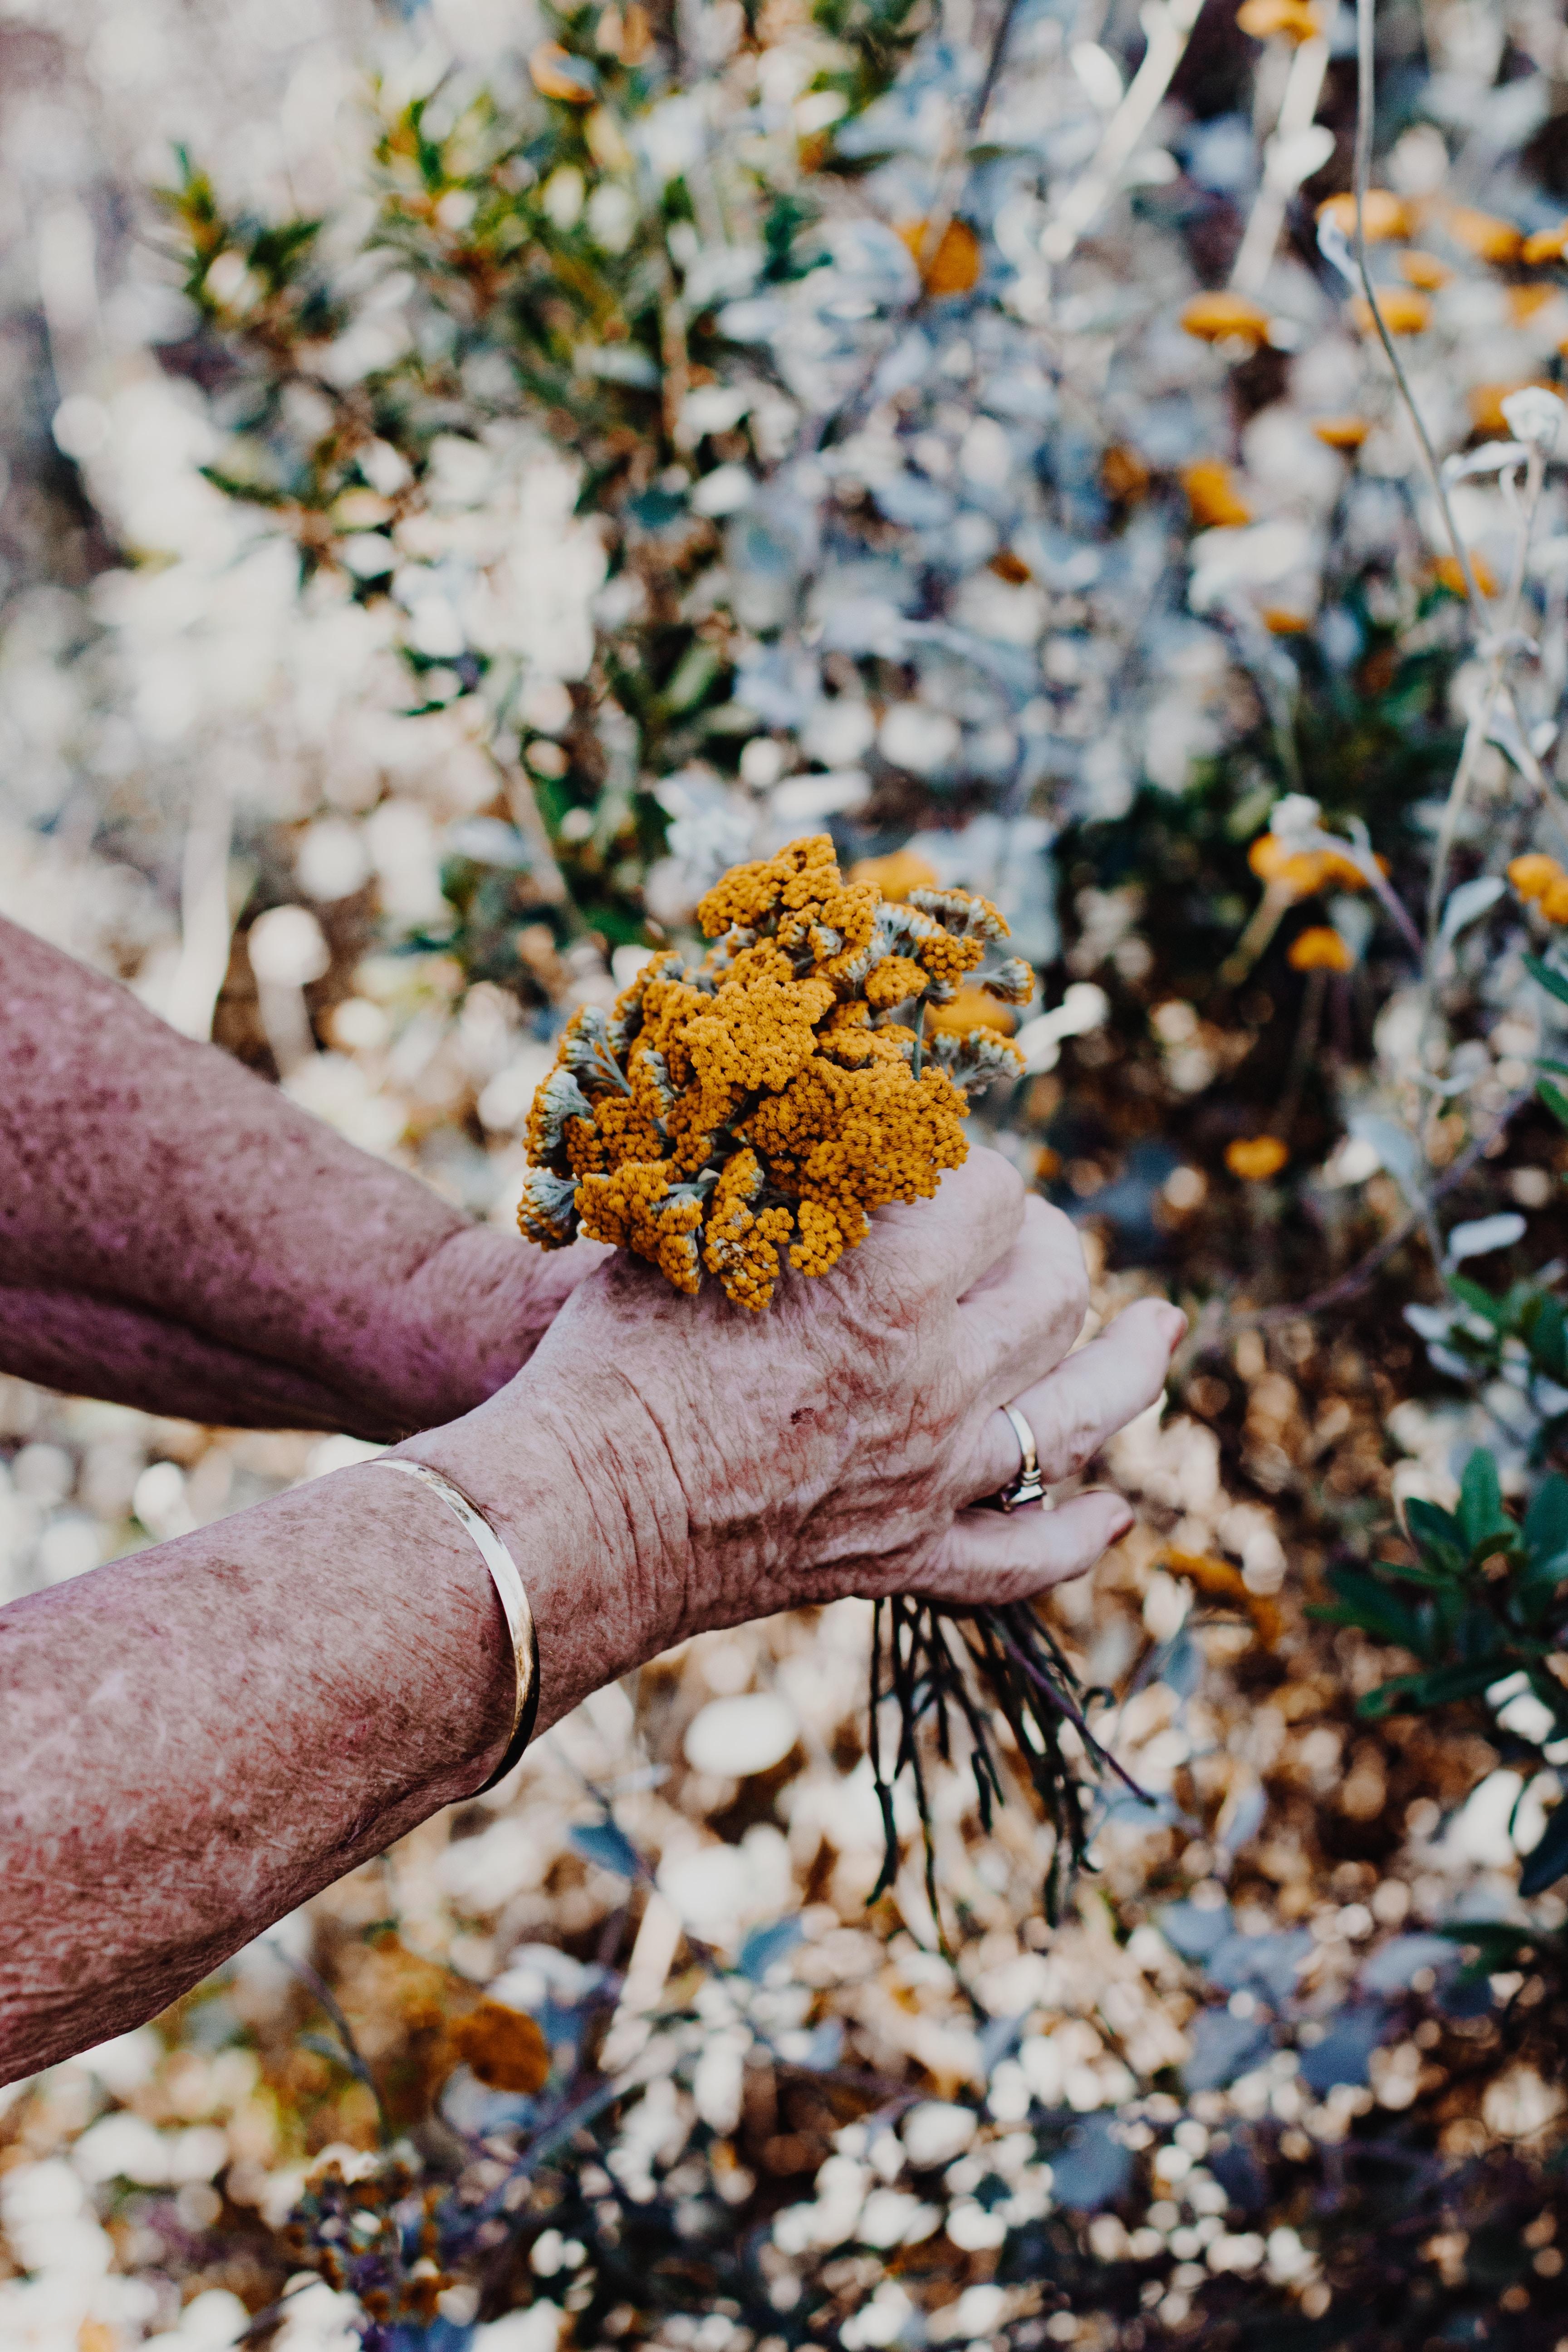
x=731 y=1465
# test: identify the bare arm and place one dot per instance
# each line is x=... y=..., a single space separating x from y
x=200 y=1736
x=176 y=1234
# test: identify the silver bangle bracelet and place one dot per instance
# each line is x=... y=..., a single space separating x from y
x=507 y=1582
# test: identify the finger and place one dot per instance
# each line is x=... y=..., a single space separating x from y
x=987 y=1558
x=1089 y=1396
x=1028 y=1308
x=972 y=1222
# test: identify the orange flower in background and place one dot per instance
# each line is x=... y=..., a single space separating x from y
x=556 y=73
x=953 y=266
x=1280 y=622
x=1424 y=269
x=1319 y=949
x=1255 y=1158
x=1212 y=496
x=1345 y=433
x=1302 y=871
x=1217 y=318
x=1010 y=567
x=896 y=875
x=1220 y=1579
x=504 y=2047
x=1527 y=302
x=1484 y=402
x=1533 y=874
x=1542 y=879
x=970 y=1008
x=1546 y=245
x=1404 y=313
x=1450 y=577
x=1486 y=234
x=1263 y=19
x=1383 y=214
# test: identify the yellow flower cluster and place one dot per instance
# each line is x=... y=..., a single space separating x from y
x=1536 y=875
x=761 y=1104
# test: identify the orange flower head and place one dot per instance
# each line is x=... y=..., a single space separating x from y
x=1319 y=949
x=1554 y=899
x=1218 y=318
x=1255 y=1158
x=1485 y=404
x=1213 y=498
x=1404 y=311
x=1263 y=20
x=1486 y=234
x=1383 y=214
x=972 y=1008
x=1345 y=433
x=1533 y=874
x=1527 y=302
x=1423 y=270
x=1450 y=577
x=1281 y=622
x=896 y=875
x=1300 y=872
x=949 y=264
x=762 y=1103
x=504 y=2047
x=1546 y=245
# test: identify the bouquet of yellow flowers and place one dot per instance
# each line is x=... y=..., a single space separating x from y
x=755 y=1108
x=761 y=1103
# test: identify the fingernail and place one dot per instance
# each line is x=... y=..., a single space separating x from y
x=1121 y=1524
x=1176 y=1326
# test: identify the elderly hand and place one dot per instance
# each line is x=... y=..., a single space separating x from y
x=726 y=1465
x=199 y=1736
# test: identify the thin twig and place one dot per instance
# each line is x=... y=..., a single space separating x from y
x=1366 y=108
x=354 y=2057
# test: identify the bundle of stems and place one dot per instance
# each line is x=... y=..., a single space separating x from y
x=935 y=1662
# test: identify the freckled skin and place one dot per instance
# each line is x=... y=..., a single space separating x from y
x=199 y=1736
x=209 y=1250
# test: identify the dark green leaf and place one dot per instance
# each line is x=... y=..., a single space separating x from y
x=1546 y=1333
x=1372 y=1606
x=1547 y=1862
x=1555 y=1098
x=1481 y=1514
x=1465 y=1679
x=1396 y=1693
x=1553 y=981
x=1435 y=1531
x=1546 y=1526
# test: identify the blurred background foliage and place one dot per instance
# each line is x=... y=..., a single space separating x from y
x=470 y=474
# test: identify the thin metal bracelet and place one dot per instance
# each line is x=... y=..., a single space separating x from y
x=513 y=1600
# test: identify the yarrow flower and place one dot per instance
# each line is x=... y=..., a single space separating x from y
x=762 y=1104
x=1538 y=877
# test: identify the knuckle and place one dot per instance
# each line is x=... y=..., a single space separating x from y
x=1001 y=1188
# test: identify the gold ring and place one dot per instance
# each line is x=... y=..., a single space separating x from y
x=1026 y=1485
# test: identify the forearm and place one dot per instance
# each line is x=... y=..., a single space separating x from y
x=201 y=1737
x=203 y=1246
x=65 y=1339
